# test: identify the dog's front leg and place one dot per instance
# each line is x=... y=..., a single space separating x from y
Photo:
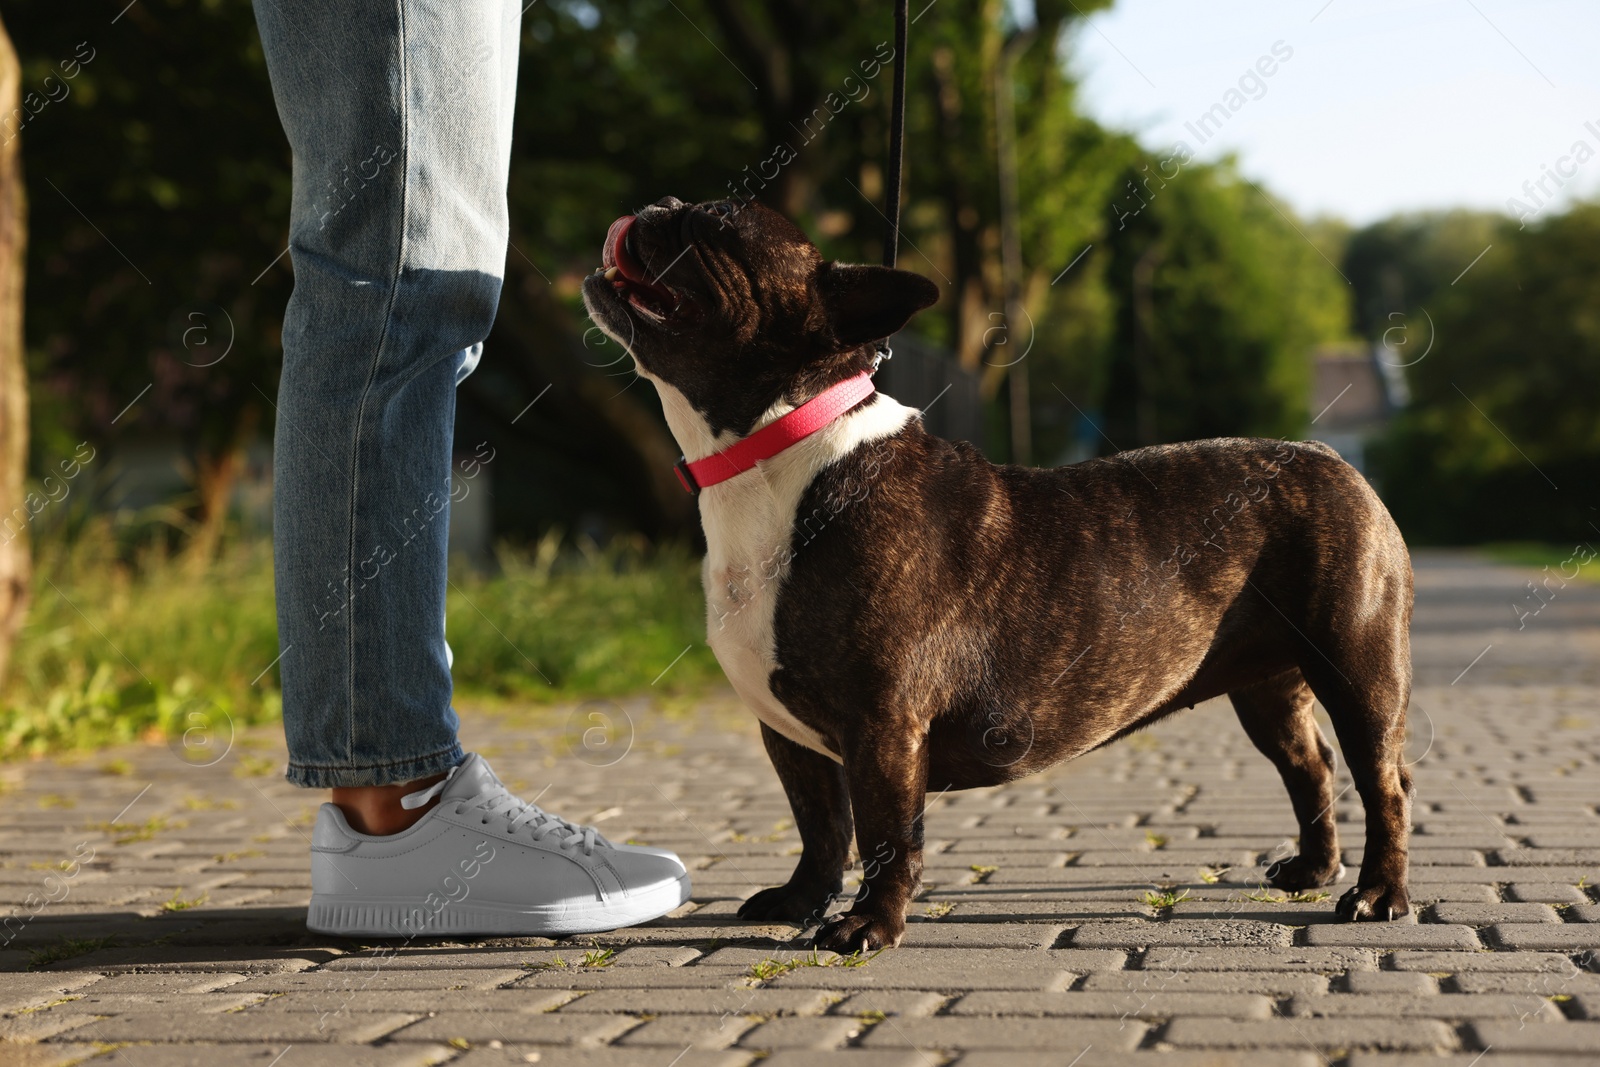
x=820 y=802
x=887 y=771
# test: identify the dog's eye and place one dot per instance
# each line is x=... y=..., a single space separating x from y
x=722 y=209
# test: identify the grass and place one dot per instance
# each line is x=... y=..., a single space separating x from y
x=117 y=647
x=596 y=958
x=1307 y=896
x=209 y=804
x=1278 y=896
x=1539 y=555
x=122 y=645
x=855 y=959
x=769 y=968
x=178 y=903
x=126 y=833
x=254 y=767
x=64 y=1000
x=67 y=948
x=1263 y=896
x=1164 y=898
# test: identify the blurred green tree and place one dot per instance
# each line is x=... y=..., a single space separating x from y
x=159 y=180
x=787 y=103
x=1396 y=266
x=1500 y=440
x=159 y=193
x=1217 y=300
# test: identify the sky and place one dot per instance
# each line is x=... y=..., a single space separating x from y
x=1383 y=106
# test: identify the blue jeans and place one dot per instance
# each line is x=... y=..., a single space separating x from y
x=398 y=114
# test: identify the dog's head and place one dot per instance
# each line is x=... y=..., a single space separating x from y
x=732 y=306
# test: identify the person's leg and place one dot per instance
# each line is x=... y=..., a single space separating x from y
x=399 y=117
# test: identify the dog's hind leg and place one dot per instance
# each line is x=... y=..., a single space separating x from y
x=820 y=801
x=1366 y=695
x=1276 y=713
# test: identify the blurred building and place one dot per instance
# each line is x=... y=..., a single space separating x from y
x=1355 y=390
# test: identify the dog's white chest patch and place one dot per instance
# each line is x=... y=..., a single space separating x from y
x=742 y=578
x=749 y=525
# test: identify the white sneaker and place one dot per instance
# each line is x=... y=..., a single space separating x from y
x=483 y=862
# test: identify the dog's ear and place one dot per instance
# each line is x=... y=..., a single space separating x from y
x=864 y=303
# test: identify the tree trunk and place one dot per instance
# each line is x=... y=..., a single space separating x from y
x=786 y=90
x=971 y=327
x=216 y=474
x=1011 y=274
x=1144 y=356
x=14 y=558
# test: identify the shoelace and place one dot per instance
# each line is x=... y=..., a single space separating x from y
x=497 y=800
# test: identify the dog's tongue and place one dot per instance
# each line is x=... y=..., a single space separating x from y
x=615 y=253
x=612 y=253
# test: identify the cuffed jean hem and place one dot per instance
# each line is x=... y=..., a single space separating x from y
x=375 y=774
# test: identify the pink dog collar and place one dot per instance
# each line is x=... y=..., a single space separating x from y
x=768 y=441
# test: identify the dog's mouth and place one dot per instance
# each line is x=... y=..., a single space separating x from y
x=619 y=264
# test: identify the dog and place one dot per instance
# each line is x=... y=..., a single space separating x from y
x=905 y=617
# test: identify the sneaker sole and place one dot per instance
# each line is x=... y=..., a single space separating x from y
x=380 y=917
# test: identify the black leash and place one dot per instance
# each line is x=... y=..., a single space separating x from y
x=897 y=136
x=897 y=145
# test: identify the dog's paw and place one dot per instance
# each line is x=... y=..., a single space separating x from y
x=789 y=903
x=1298 y=873
x=850 y=932
x=1376 y=903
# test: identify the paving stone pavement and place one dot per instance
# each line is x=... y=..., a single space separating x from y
x=1107 y=912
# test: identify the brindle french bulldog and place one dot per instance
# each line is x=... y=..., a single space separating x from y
x=905 y=616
